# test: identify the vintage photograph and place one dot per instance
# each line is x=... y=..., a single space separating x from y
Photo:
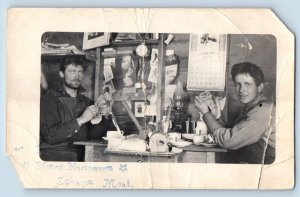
x=212 y=98
x=139 y=108
x=150 y=98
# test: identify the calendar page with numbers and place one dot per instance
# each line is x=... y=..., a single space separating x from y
x=207 y=62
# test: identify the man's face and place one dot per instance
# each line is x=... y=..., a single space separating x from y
x=245 y=88
x=73 y=76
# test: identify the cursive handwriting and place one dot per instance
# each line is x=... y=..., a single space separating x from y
x=62 y=181
x=114 y=184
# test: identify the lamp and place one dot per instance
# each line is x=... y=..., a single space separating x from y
x=178 y=95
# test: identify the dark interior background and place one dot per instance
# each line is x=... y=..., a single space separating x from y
x=263 y=53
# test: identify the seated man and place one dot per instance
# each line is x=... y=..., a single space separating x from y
x=66 y=115
x=252 y=138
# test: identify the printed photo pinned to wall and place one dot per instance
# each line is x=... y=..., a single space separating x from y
x=129 y=74
x=153 y=66
x=110 y=62
x=108 y=74
x=139 y=108
x=95 y=39
x=128 y=71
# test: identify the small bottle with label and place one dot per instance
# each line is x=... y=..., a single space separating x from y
x=165 y=124
x=201 y=128
x=151 y=125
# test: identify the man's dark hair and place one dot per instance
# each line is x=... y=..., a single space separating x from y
x=248 y=68
x=72 y=60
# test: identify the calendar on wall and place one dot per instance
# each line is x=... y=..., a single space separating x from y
x=207 y=62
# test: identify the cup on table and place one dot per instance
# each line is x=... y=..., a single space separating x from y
x=174 y=137
x=193 y=127
x=187 y=126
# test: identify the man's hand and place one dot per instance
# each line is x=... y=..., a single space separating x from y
x=88 y=114
x=201 y=105
x=107 y=97
x=104 y=104
x=218 y=112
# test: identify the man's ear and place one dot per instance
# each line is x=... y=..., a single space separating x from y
x=61 y=74
x=260 y=87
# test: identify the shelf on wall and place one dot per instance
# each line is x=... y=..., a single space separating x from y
x=133 y=42
x=116 y=53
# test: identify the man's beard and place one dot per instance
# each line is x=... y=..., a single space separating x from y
x=72 y=86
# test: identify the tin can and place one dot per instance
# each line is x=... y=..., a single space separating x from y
x=187 y=126
x=193 y=127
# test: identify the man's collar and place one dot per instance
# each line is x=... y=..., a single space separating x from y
x=259 y=99
x=61 y=88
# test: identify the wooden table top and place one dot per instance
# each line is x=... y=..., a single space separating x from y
x=192 y=147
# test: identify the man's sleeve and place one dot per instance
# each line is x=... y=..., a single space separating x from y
x=53 y=130
x=247 y=132
x=99 y=130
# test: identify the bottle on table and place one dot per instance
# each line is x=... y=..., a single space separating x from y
x=201 y=128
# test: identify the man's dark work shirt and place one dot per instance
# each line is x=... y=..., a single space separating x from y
x=59 y=127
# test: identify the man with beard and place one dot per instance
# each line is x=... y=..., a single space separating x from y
x=252 y=138
x=66 y=115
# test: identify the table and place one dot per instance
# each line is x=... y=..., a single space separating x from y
x=95 y=151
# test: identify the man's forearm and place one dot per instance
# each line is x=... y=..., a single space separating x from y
x=211 y=122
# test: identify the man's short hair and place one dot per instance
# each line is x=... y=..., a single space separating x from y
x=248 y=68
x=78 y=61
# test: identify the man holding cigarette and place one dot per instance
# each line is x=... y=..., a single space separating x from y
x=252 y=138
x=66 y=115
